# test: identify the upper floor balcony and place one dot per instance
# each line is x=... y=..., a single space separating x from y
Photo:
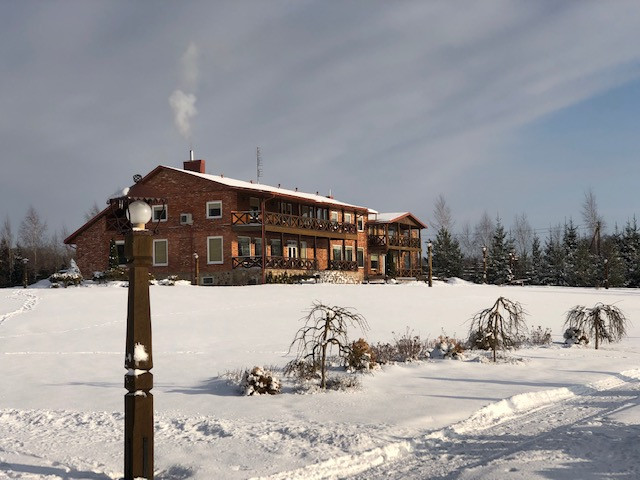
x=282 y=222
x=398 y=241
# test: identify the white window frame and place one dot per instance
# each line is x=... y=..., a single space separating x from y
x=334 y=249
x=212 y=202
x=303 y=249
x=348 y=217
x=360 y=223
x=348 y=249
x=334 y=216
x=216 y=262
x=118 y=244
x=156 y=242
x=377 y=260
x=160 y=209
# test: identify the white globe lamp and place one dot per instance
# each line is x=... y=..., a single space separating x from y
x=139 y=213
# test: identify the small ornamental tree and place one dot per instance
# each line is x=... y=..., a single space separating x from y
x=324 y=330
x=602 y=322
x=498 y=327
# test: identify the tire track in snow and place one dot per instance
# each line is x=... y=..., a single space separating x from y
x=30 y=302
x=499 y=431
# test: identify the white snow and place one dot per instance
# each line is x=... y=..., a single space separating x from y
x=555 y=412
x=140 y=353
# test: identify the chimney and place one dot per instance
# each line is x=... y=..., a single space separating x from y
x=194 y=165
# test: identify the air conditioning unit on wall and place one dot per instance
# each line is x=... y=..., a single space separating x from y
x=186 y=219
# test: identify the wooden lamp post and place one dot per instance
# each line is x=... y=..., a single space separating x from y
x=484 y=264
x=138 y=401
x=429 y=258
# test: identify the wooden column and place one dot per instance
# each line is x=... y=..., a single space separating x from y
x=138 y=401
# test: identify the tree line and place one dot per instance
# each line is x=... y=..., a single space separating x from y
x=568 y=255
x=32 y=253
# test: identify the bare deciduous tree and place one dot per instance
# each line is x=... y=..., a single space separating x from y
x=498 y=326
x=592 y=218
x=442 y=215
x=92 y=212
x=602 y=322
x=484 y=230
x=326 y=328
x=32 y=236
x=523 y=234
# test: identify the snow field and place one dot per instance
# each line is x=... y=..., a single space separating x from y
x=63 y=360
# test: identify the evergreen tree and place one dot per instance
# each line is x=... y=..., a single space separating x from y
x=447 y=257
x=535 y=270
x=553 y=262
x=629 y=248
x=570 y=250
x=5 y=263
x=498 y=267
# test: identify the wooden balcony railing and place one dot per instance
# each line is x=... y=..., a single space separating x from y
x=291 y=221
x=344 y=265
x=409 y=272
x=395 y=241
x=275 y=262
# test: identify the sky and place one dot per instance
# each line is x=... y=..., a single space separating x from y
x=504 y=107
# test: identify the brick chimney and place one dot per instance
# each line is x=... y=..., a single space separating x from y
x=194 y=165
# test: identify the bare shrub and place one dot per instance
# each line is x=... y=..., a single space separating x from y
x=384 y=353
x=325 y=332
x=602 y=322
x=540 y=337
x=410 y=347
x=498 y=327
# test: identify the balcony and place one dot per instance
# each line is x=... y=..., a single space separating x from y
x=380 y=241
x=275 y=262
x=282 y=222
x=344 y=265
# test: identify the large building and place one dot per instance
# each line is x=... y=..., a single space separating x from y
x=215 y=230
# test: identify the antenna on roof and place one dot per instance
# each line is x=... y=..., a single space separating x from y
x=258 y=164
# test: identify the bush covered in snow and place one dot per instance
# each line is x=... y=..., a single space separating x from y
x=405 y=348
x=70 y=276
x=259 y=381
x=540 y=337
x=169 y=281
x=575 y=336
x=446 y=347
x=115 y=274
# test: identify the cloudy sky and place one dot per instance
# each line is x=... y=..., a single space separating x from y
x=507 y=107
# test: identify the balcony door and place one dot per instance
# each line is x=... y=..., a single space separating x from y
x=292 y=249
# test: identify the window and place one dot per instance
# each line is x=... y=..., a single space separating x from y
x=160 y=253
x=214 y=250
x=214 y=209
x=122 y=260
x=322 y=214
x=374 y=261
x=303 y=249
x=292 y=249
x=286 y=208
x=360 y=222
x=360 y=257
x=334 y=216
x=276 y=248
x=244 y=247
x=306 y=211
x=159 y=213
x=254 y=204
x=348 y=218
x=257 y=247
x=348 y=254
x=337 y=252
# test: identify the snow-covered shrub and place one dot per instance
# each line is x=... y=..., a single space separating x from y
x=343 y=382
x=575 y=336
x=169 y=281
x=260 y=382
x=70 y=276
x=302 y=370
x=541 y=337
x=361 y=356
x=117 y=274
x=446 y=347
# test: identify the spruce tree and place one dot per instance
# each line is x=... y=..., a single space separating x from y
x=553 y=263
x=535 y=271
x=629 y=248
x=113 y=255
x=447 y=257
x=498 y=267
x=570 y=250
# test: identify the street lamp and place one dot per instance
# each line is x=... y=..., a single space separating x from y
x=429 y=247
x=25 y=278
x=196 y=266
x=138 y=401
x=484 y=261
x=606 y=273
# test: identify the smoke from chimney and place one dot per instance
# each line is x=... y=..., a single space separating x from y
x=183 y=103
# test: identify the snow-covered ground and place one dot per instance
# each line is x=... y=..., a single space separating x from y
x=553 y=412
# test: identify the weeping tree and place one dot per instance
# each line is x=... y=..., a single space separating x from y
x=325 y=332
x=498 y=327
x=602 y=322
